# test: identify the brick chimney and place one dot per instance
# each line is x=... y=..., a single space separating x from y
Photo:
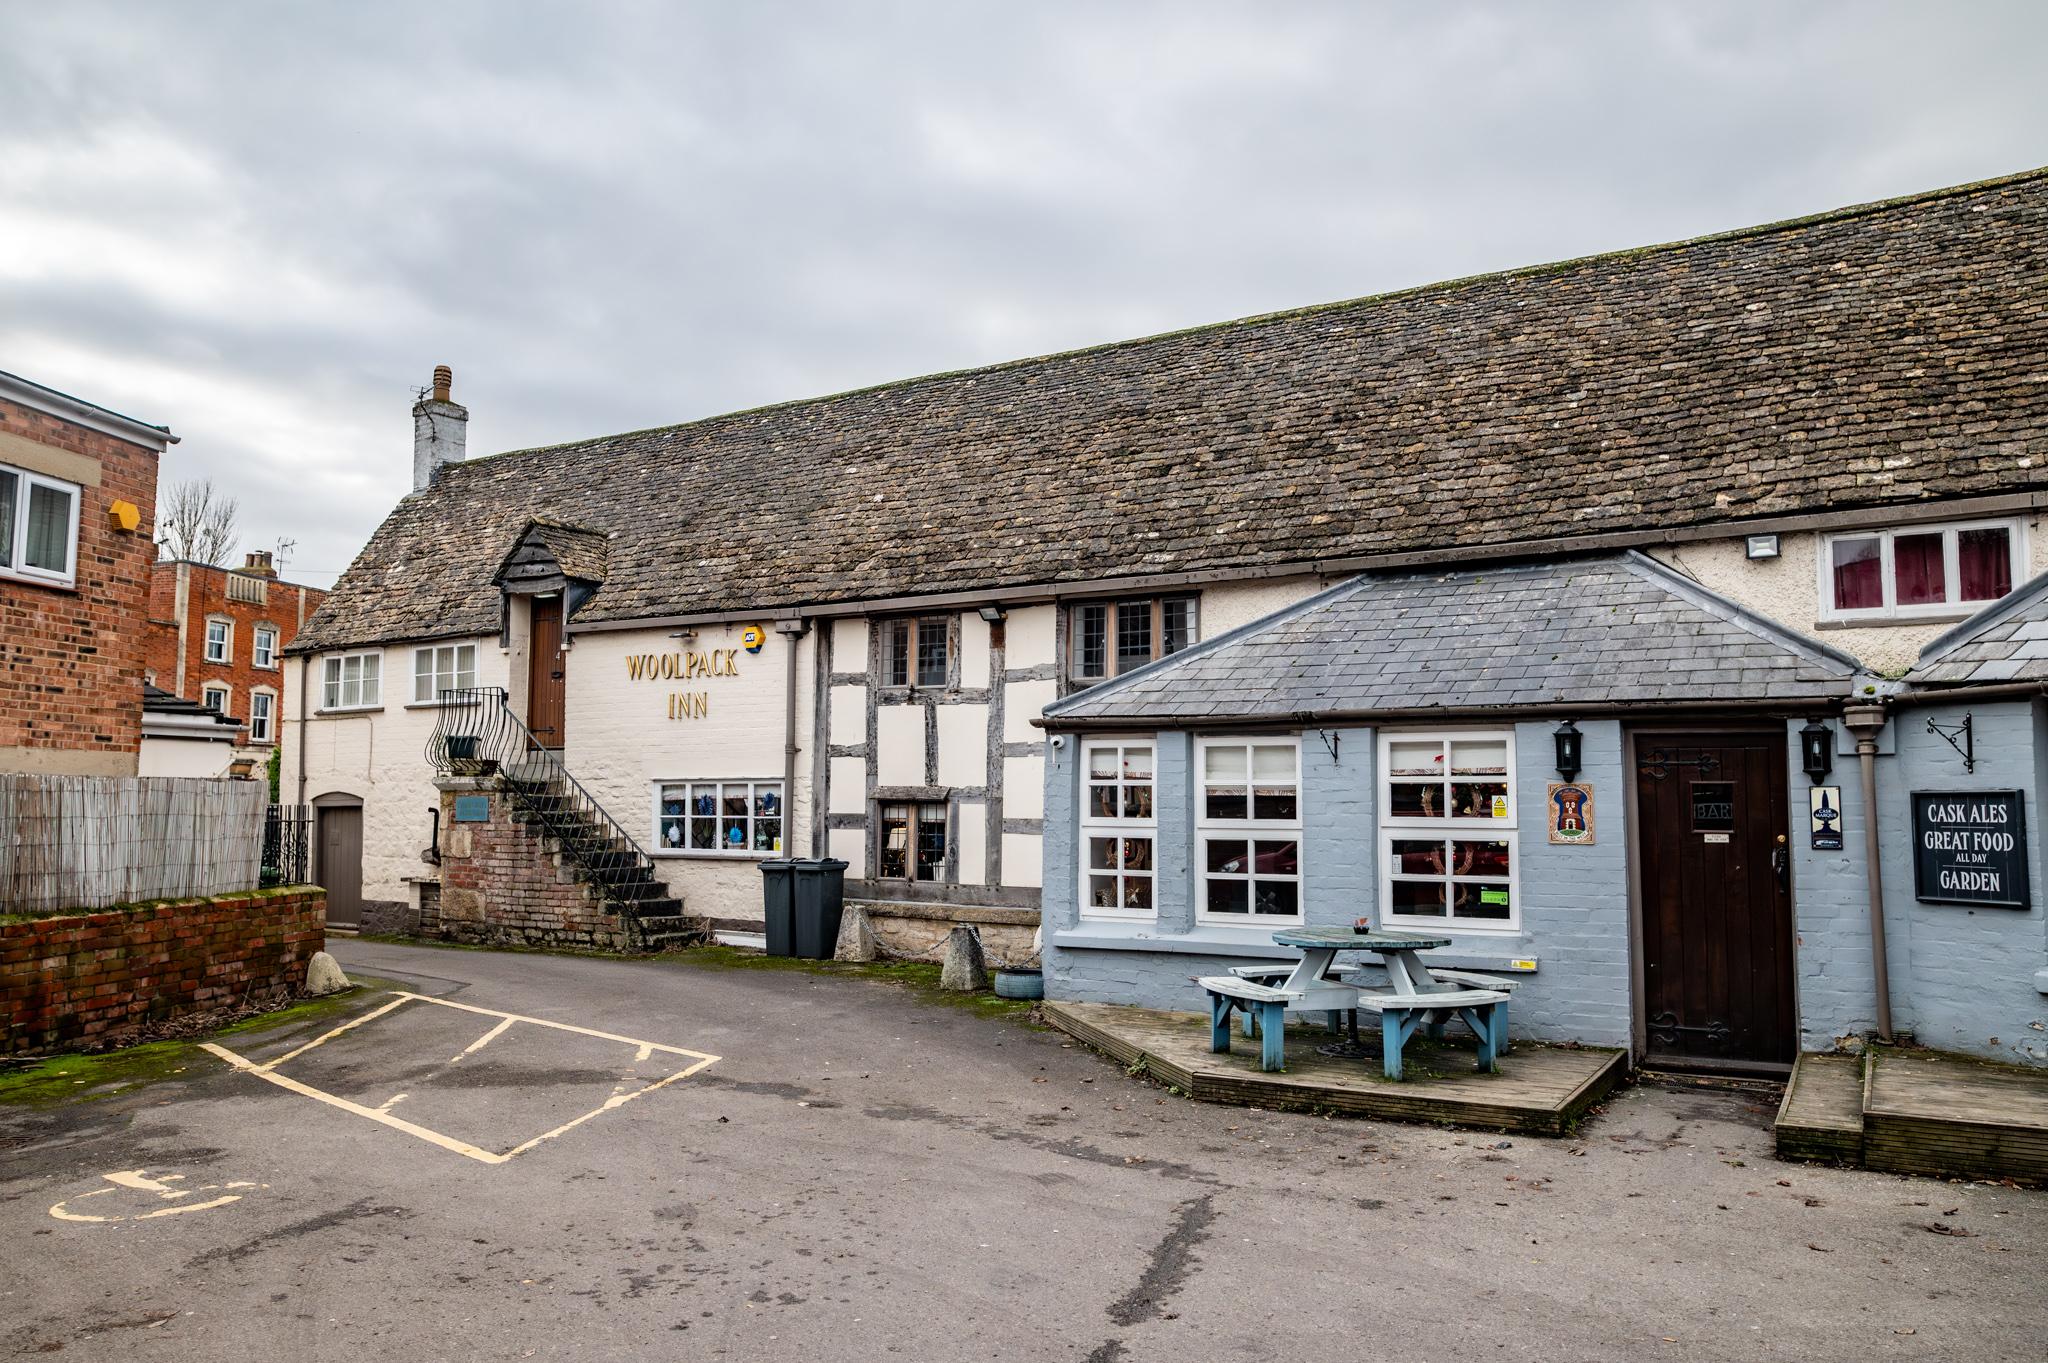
x=440 y=429
x=259 y=563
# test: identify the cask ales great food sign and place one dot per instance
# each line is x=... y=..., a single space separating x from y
x=1970 y=847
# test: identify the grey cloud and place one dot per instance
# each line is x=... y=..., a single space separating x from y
x=264 y=224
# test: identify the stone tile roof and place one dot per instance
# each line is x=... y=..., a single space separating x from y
x=1885 y=354
x=2006 y=641
x=1613 y=628
x=579 y=553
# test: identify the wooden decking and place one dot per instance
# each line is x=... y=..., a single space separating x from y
x=1540 y=1090
x=1918 y=1112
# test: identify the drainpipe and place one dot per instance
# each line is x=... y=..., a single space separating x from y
x=792 y=630
x=1865 y=721
x=305 y=666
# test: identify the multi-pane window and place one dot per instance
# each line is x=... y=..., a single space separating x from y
x=442 y=667
x=262 y=716
x=263 y=646
x=214 y=698
x=737 y=818
x=1118 y=835
x=38 y=526
x=1888 y=574
x=912 y=843
x=1248 y=830
x=352 y=681
x=915 y=651
x=1447 y=819
x=1112 y=637
x=220 y=635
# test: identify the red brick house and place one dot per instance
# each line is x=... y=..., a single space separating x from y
x=217 y=636
x=77 y=520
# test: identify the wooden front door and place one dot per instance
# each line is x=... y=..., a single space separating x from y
x=340 y=868
x=1711 y=823
x=544 y=678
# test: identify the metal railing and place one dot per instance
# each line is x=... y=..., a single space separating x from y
x=477 y=735
x=287 y=845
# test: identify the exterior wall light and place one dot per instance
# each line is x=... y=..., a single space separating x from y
x=1816 y=750
x=1761 y=546
x=1568 y=739
x=992 y=614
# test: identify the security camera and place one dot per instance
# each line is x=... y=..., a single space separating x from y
x=1059 y=741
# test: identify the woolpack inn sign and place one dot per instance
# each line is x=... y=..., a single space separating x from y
x=1970 y=847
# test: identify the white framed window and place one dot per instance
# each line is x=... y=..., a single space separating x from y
x=1248 y=831
x=442 y=667
x=1119 y=833
x=718 y=818
x=220 y=639
x=1447 y=829
x=215 y=698
x=1938 y=570
x=38 y=527
x=352 y=681
x=262 y=717
x=263 y=646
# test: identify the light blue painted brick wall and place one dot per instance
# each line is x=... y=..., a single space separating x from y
x=1830 y=907
x=1574 y=899
x=1962 y=978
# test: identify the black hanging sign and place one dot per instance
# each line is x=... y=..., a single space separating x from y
x=1970 y=847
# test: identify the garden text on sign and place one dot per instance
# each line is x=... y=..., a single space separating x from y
x=1970 y=847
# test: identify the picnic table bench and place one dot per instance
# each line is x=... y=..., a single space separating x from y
x=1417 y=995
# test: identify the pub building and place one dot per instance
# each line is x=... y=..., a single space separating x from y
x=1524 y=605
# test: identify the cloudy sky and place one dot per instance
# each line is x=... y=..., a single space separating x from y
x=263 y=224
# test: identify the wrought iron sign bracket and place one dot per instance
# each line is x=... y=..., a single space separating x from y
x=1658 y=763
x=1961 y=737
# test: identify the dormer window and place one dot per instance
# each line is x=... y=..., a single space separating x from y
x=1920 y=572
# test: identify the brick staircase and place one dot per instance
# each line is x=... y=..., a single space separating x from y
x=612 y=868
x=476 y=736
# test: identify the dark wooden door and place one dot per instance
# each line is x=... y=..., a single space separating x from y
x=544 y=683
x=1711 y=826
x=340 y=870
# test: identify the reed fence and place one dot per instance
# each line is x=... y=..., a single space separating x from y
x=88 y=842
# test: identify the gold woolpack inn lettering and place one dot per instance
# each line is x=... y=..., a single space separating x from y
x=717 y=662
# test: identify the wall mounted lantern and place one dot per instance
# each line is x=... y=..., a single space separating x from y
x=1568 y=737
x=1816 y=750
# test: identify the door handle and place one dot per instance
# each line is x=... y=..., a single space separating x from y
x=554 y=676
x=1781 y=862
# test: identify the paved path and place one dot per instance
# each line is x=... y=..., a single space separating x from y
x=860 y=1175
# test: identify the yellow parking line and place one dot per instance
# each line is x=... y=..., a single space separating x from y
x=486 y=1039
x=284 y=1081
x=643 y=1050
x=398 y=1002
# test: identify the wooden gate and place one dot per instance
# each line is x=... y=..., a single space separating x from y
x=545 y=692
x=1711 y=819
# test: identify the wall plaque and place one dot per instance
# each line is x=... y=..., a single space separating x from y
x=472 y=809
x=1824 y=818
x=1568 y=811
x=1970 y=847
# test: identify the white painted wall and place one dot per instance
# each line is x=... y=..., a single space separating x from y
x=195 y=757
x=621 y=741
x=1787 y=589
x=970 y=839
x=380 y=757
x=963 y=745
x=1028 y=636
x=899 y=745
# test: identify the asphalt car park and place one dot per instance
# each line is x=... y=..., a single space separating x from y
x=486 y=1156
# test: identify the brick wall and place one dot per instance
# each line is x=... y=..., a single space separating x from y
x=92 y=979
x=71 y=657
x=503 y=883
x=287 y=605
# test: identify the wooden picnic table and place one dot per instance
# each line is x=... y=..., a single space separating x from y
x=1415 y=997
